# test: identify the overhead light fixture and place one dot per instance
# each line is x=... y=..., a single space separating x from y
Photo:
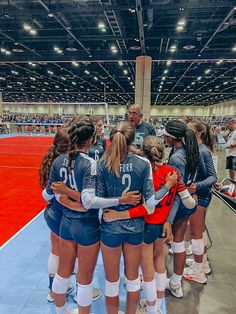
x=132 y=10
x=73 y=83
x=86 y=72
x=166 y=71
x=101 y=25
x=234 y=48
x=50 y=72
x=33 y=31
x=219 y=61
x=168 y=62
x=181 y=22
x=26 y=26
x=8 y=52
x=74 y=63
x=50 y=14
x=173 y=48
x=225 y=83
x=199 y=78
x=95 y=78
x=163 y=78
x=120 y=63
x=125 y=72
x=208 y=71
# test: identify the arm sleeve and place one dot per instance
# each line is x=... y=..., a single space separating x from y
x=88 y=197
x=174 y=209
x=138 y=211
x=90 y=200
x=147 y=189
x=48 y=193
x=210 y=171
x=187 y=199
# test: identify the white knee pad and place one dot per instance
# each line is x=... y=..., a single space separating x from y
x=60 y=285
x=149 y=290
x=53 y=262
x=84 y=294
x=112 y=288
x=178 y=247
x=198 y=246
x=160 y=279
x=133 y=285
x=205 y=238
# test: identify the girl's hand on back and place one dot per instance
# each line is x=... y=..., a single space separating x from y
x=171 y=179
x=131 y=198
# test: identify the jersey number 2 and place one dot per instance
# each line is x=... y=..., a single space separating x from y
x=126 y=179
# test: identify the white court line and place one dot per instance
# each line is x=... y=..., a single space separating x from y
x=18 y=232
x=18 y=167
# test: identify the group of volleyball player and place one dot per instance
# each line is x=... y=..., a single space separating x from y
x=145 y=202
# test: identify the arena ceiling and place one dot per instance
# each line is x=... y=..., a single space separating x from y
x=84 y=50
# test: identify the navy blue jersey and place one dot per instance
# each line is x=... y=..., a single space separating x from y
x=142 y=131
x=97 y=150
x=206 y=176
x=135 y=175
x=83 y=177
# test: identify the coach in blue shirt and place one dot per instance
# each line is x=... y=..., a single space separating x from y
x=142 y=129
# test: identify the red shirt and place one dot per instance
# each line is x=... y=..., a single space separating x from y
x=164 y=206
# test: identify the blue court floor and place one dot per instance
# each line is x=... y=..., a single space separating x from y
x=23 y=273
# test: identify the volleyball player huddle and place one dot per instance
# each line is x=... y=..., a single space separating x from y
x=141 y=198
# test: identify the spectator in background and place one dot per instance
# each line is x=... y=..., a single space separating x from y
x=142 y=128
x=231 y=149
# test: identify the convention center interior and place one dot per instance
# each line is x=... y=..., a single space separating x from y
x=117 y=156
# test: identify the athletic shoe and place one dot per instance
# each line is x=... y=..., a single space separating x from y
x=142 y=307
x=188 y=251
x=97 y=293
x=175 y=290
x=206 y=268
x=69 y=290
x=206 y=265
x=191 y=274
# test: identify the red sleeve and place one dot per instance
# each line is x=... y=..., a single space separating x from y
x=181 y=186
x=138 y=211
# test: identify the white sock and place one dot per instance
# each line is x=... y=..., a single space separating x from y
x=151 y=309
x=204 y=258
x=198 y=267
x=159 y=302
x=61 y=310
x=176 y=279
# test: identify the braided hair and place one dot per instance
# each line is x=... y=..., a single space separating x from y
x=180 y=132
x=121 y=137
x=60 y=146
x=154 y=149
x=79 y=134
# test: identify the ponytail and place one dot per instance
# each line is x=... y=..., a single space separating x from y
x=60 y=146
x=153 y=148
x=207 y=138
x=192 y=153
x=121 y=138
x=79 y=134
